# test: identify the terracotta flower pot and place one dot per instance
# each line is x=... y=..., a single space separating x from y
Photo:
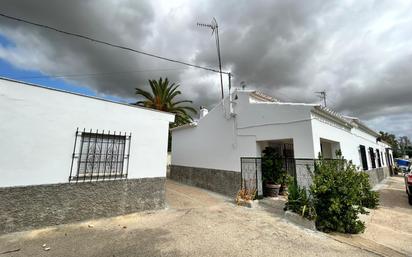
x=284 y=190
x=272 y=190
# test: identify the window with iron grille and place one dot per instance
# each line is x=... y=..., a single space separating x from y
x=372 y=155
x=363 y=157
x=100 y=156
x=378 y=155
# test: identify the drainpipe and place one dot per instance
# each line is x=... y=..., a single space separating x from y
x=230 y=96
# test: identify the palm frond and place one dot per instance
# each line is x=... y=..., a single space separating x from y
x=162 y=97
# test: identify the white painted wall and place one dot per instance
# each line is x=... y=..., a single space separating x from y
x=219 y=141
x=349 y=139
x=37 y=133
x=212 y=144
x=268 y=121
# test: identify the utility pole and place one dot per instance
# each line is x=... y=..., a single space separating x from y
x=215 y=30
x=403 y=143
x=322 y=96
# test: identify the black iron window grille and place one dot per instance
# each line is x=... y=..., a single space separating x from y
x=378 y=155
x=372 y=155
x=363 y=157
x=100 y=156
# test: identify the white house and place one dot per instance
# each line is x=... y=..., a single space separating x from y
x=208 y=152
x=65 y=156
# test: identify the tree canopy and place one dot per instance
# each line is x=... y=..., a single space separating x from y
x=399 y=146
x=163 y=97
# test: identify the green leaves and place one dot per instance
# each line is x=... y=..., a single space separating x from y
x=163 y=97
x=338 y=195
x=272 y=167
x=300 y=202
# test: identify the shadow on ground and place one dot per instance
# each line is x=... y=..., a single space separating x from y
x=197 y=223
x=98 y=242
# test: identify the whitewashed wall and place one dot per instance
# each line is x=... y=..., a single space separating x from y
x=37 y=132
x=268 y=121
x=349 y=139
x=212 y=144
x=218 y=141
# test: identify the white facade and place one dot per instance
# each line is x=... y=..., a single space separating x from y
x=38 y=125
x=219 y=139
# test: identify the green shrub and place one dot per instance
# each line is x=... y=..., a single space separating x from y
x=299 y=201
x=339 y=193
x=272 y=166
x=369 y=198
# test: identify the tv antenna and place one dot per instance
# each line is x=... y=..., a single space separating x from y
x=322 y=96
x=215 y=31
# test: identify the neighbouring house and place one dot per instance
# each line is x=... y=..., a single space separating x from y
x=68 y=157
x=216 y=151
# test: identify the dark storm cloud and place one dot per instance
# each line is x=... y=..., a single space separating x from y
x=54 y=53
x=358 y=51
x=268 y=42
x=388 y=93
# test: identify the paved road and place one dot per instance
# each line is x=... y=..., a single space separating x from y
x=389 y=228
x=391 y=224
x=197 y=223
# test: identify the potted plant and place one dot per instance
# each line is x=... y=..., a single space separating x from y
x=245 y=197
x=271 y=172
x=286 y=180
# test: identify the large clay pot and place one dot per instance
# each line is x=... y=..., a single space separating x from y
x=272 y=190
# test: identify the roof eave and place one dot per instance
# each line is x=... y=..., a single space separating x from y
x=340 y=120
x=367 y=129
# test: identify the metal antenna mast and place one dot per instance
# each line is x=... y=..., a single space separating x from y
x=322 y=96
x=215 y=31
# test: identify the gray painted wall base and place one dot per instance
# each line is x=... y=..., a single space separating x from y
x=304 y=177
x=24 y=208
x=219 y=181
x=377 y=175
x=228 y=182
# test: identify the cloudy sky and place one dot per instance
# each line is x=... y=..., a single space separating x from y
x=360 y=52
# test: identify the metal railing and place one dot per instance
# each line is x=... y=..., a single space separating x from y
x=251 y=174
x=301 y=169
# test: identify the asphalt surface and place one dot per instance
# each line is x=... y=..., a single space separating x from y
x=196 y=223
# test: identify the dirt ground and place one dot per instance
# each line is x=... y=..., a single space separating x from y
x=200 y=223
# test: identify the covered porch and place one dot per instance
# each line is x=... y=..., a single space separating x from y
x=284 y=147
x=329 y=148
x=295 y=155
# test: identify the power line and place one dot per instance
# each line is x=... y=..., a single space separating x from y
x=108 y=43
x=91 y=74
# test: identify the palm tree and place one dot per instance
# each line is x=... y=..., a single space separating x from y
x=163 y=98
